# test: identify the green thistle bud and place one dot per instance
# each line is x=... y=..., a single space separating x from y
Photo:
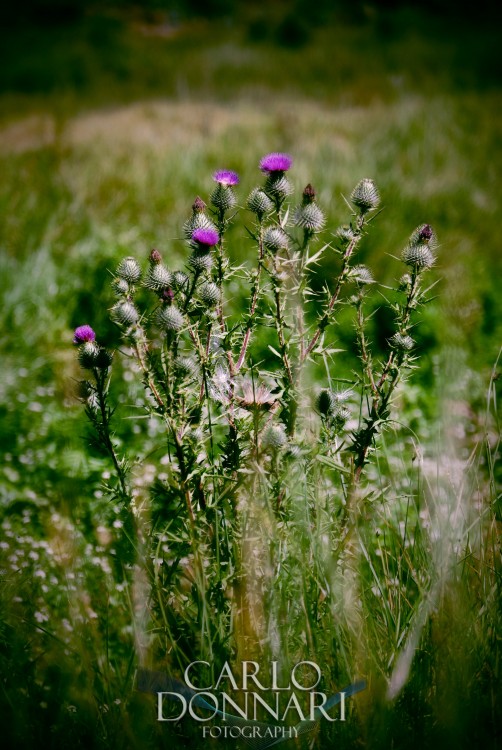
x=277 y=185
x=200 y=261
x=345 y=234
x=170 y=318
x=180 y=280
x=158 y=277
x=325 y=402
x=402 y=342
x=275 y=239
x=419 y=256
x=274 y=437
x=309 y=216
x=210 y=294
x=129 y=270
x=362 y=275
x=88 y=354
x=259 y=203
x=223 y=197
x=124 y=313
x=120 y=287
x=104 y=359
x=365 y=195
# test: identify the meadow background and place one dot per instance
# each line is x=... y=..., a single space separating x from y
x=113 y=118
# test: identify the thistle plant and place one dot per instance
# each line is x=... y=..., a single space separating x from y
x=237 y=419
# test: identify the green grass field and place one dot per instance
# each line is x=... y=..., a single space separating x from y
x=109 y=129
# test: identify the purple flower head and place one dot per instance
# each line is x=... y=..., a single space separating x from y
x=83 y=334
x=207 y=237
x=276 y=162
x=226 y=177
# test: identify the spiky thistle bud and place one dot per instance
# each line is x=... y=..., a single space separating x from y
x=419 y=256
x=155 y=257
x=170 y=318
x=309 y=217
x=365 y=195
x=180 y=280
x=104 y=359
x=402 y=342
x=158 y=277
x=362 y=275
x=259 y=203
x=200 y=261
x=325 y=402
x=129 y=270
x=120 y=287
x=210 y=294
x=424 y=234
x=124 y=313
x=277 y=186
x=330 y=402
x=223 y=198
x=274 y=437
x=344 y=234
x=275 y=239
x=87 y=355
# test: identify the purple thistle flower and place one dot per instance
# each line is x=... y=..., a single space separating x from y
x=226 y=177
x=207 y=237
x=276 y=162
x=83 y=334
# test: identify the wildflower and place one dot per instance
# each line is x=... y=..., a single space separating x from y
x=223 y=196
x=276 y=163
x=226 y=177
x=255 y=396
x=205 y=238
x=277 y=185
x=83 y=334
